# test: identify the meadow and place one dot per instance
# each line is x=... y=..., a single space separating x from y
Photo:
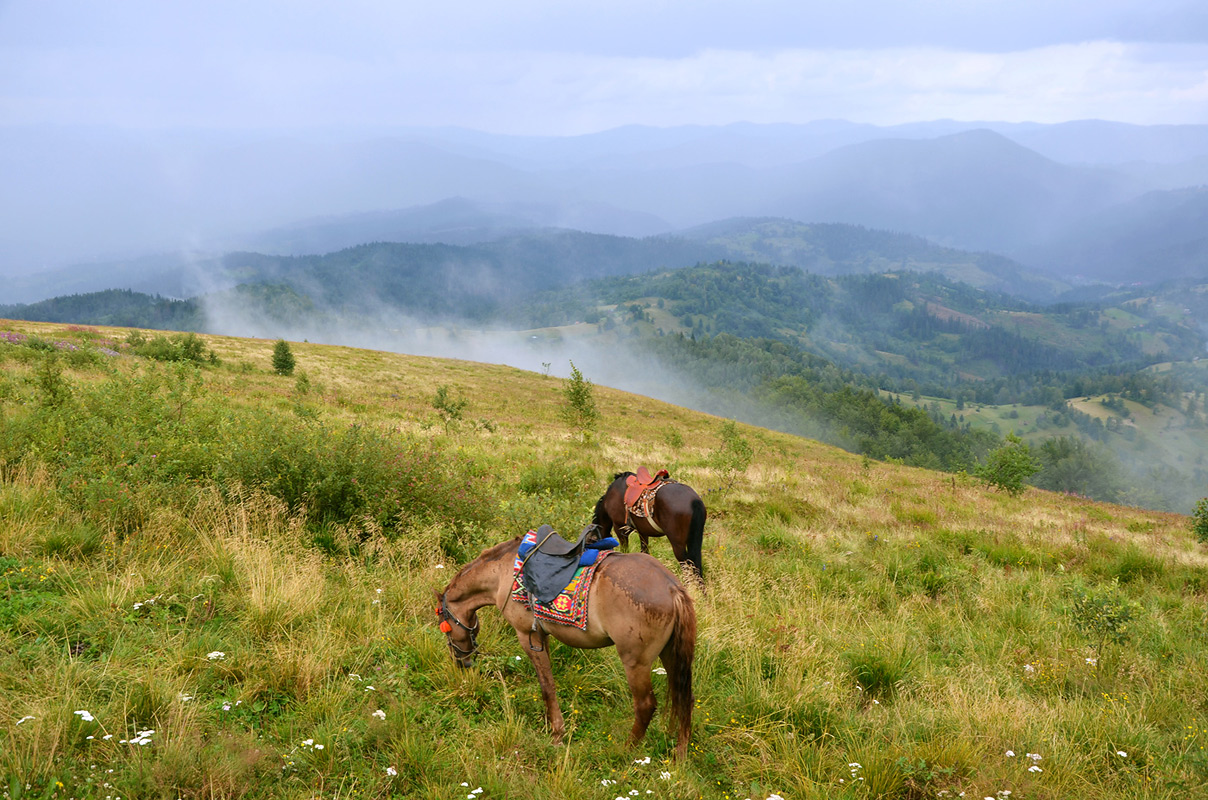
x=217 y=583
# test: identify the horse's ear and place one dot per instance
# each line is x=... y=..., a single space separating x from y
x=438 y=594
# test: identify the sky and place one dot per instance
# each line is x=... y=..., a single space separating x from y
x=567 y=67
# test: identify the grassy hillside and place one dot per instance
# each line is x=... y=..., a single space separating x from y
x=216 y=582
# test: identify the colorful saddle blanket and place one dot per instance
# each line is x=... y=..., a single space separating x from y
x=570 y=606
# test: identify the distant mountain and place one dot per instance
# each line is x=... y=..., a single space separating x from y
x=105 y=196
x=432 y=281
x=457 y=220
x=976 y=190
x=1158 y=234
x=839 y=249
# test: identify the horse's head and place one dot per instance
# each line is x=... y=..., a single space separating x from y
x=461 y=638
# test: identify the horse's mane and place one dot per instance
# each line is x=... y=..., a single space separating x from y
x=620 y=475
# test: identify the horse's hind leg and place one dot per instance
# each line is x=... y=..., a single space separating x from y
x=645 y=543
x=644 y=701
x=545 y=677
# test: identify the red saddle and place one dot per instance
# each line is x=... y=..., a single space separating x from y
x=640 y=482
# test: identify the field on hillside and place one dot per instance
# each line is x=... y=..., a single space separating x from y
x=217 y=583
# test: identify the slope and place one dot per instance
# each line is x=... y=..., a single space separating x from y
x=169 y=629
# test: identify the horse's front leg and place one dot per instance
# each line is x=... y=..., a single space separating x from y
x=545 y=677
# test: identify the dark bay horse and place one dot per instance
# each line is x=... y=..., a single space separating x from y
x=635 y=603
x=678 y=512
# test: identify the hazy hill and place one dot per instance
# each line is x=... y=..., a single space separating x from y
x=1163 y=233
x=100 y=195
x=839 y=249
x=975 y=190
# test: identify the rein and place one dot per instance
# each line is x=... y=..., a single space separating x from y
x=446 y=616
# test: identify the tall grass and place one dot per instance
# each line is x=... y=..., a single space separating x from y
x=261 y=599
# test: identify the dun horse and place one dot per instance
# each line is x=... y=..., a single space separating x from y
x=634 y=603
x=678 y=513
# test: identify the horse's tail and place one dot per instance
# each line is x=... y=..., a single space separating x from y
x=600 y=516
x=696 y=536
x=677 y=660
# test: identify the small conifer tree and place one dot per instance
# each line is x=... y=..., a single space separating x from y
x=283 y=358
x=579 y=411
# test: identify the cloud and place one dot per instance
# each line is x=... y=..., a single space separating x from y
x=570 y=93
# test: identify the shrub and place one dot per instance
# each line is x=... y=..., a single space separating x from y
x=733 y=455
x=1199 y=520
x=1104 y=616
x=451 y=409
x=1007 y=467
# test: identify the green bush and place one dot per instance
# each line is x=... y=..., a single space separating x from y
x=1199 y=520
x=1009 y=466
x=733 y=455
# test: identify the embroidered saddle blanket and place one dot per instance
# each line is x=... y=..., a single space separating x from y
x=568 y=607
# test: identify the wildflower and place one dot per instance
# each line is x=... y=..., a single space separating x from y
x=775 y=797
x=23 y=719
x=440 y=566
x=226 y=706
x=380 y=714
x=1034 y=756
x=184 y=698
x=605 y=782
x=1010 y=754
x=645 y=760
x=1028 y=668
x=370 y=689
x=84 y=715
x=391 y=771
x=318 y=747
x=660 y=671
x=1122 y=754
x=1034 y=768
x=1092 y=661
x=665 y=775
x=217 y=655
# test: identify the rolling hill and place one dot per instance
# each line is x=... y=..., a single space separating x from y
x=218 y=580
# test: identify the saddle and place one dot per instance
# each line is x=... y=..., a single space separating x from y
x=546 y=563
x=642 y=481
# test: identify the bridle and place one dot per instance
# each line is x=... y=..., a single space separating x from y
x=446 y=616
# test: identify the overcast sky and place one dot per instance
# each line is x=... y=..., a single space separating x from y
x=577 y=66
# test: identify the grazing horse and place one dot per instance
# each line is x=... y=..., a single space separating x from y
x=634 y=603
x=677 y=513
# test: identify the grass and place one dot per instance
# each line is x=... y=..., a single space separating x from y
x=870 y=630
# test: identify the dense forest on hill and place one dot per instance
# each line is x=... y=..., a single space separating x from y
x=909 y=327
x=810 y=354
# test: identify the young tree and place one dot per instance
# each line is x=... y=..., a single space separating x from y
x=579 y=410
x=1199 y=520
x=450 y=408
x=1009 y=466
x=283 y=358
x=733 y=455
